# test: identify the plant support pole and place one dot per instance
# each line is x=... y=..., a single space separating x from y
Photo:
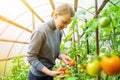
x=87 y=41
x=97 y=31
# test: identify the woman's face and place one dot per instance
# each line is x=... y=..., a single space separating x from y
x=61 y=21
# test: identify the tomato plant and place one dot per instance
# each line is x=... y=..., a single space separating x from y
x=93 y=68
x=110 y=64
x=82 y=45
x=18 y=70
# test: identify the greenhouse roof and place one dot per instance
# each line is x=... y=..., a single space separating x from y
x=20 y=17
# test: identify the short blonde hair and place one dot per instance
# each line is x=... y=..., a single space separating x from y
x=64 y=8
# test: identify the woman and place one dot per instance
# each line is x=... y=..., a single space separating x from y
x=44 y=46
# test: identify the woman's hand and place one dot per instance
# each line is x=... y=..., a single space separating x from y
x=54 y=73
x=50 y=73
x=65 y=58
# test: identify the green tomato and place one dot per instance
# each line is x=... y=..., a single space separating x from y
x=79 y=66
x=104 y=21
x=93 y=68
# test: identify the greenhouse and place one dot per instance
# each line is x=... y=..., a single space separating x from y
x=60 y=39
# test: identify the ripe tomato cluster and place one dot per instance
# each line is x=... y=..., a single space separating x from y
x=64 y=70
x=110 y=65
x=81 y=67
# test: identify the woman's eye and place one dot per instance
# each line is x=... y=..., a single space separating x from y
x=64 y=22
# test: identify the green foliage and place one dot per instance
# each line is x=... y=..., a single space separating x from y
x=73 y=23
x=71 y=78
x=68 y=37
x=18 y=70
x=92 y=27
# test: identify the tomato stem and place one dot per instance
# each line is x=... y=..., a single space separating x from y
x=106 y=78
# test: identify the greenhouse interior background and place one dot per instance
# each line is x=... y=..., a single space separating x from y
x=83 y=40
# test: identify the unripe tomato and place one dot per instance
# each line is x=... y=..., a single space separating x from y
x=104 y=21
x=93 y=68
x=81 y=70
x=79 y=66
x=110 y=64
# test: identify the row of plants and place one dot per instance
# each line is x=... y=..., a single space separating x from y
x=18 y=69
x=83 y=50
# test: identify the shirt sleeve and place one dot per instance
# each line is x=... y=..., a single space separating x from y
x=36 y=41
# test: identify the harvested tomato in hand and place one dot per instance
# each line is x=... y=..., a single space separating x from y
x=61 y=70
x=64 y=70
x=110 y=64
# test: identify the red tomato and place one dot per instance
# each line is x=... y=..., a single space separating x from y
x=64 y=70
x=61 y=70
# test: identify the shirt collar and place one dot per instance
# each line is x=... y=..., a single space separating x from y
x=51 y=23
